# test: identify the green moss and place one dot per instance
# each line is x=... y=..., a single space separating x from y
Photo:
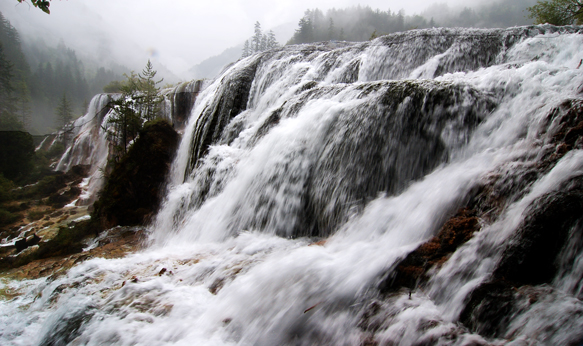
x=7 y=217
x=6 y=187
x=36 y=215
x=68 y=241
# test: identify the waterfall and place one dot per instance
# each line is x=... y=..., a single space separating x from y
x=87 y=141
x=307 y=175
x=88 y=145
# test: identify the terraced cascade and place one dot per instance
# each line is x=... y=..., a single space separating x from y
x=422 y=188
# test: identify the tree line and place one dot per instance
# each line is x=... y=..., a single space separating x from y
x=259 y=42
x=361 y=23
x=36 y=79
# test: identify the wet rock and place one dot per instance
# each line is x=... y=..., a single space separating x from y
x=489 y=307
x=412 y=270
x=63 y=330
x=26 y=242
x=212 y=121
x=531 y=257
x=135 y=186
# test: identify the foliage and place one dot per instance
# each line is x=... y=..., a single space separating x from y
x=16 y=154
x=149 y=91
x=360 y=22
x=42 y=4
x=6 y=187
x=356 y=24
x=139 y=101
x=557 y=12
x=6 y=217
x=23 y=99
x=56 y=70
x=64 y=111
x=7 y=100
x=132 y=191
x=259 y=42
x=114 y=86
x=125 y=122
x=56 y=150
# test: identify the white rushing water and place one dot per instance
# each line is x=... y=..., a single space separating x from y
x=370 y=147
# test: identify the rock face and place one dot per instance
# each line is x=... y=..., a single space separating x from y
x=540 y=252
x=134 y=187
x=411 y=272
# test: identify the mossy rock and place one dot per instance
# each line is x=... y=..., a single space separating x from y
x=134 y=188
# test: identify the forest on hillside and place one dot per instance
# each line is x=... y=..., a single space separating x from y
x=361 y=23
x=37 y=80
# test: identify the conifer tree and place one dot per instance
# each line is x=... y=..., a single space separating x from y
x=125 y=121
x=23 y=98
x=139 y=101
x=331 y=30
x=246 y=49
x=257 y=38
x=8 y=119
x=271 y=40
x=64 y=111
x=149 y=91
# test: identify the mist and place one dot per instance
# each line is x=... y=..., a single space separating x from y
x=177 y=34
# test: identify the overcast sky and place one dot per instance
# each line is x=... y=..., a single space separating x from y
x=177 y=33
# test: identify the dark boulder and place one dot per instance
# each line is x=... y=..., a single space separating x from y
x=134 y=188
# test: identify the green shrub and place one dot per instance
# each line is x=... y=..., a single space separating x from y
x=7 y=217
x=56 y=150
x=67 y=241
x=16 y=154
x=6 y=187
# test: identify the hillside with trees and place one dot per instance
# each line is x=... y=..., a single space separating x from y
x=34 y=78
x=362 y=23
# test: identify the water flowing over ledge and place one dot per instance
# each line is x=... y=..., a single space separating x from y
x=310 y=177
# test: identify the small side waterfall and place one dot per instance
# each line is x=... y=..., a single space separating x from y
x=87 y=142
x=320 y=196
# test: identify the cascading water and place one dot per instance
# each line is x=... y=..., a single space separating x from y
x=89 y=146
x=87 y=139
x=306 y=174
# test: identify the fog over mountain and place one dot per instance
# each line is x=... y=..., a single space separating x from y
x=177 y=34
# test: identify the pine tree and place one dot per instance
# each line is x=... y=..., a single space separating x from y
x=257 y=38
x=305 y=32
x=6 y=88
x=149 y=98
x=64 y=111
x=271 y=40
x=246 y=50
x=139 y=101
x=331 y=30
x=23 y=98
x=8 y=118
x=125 y=122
